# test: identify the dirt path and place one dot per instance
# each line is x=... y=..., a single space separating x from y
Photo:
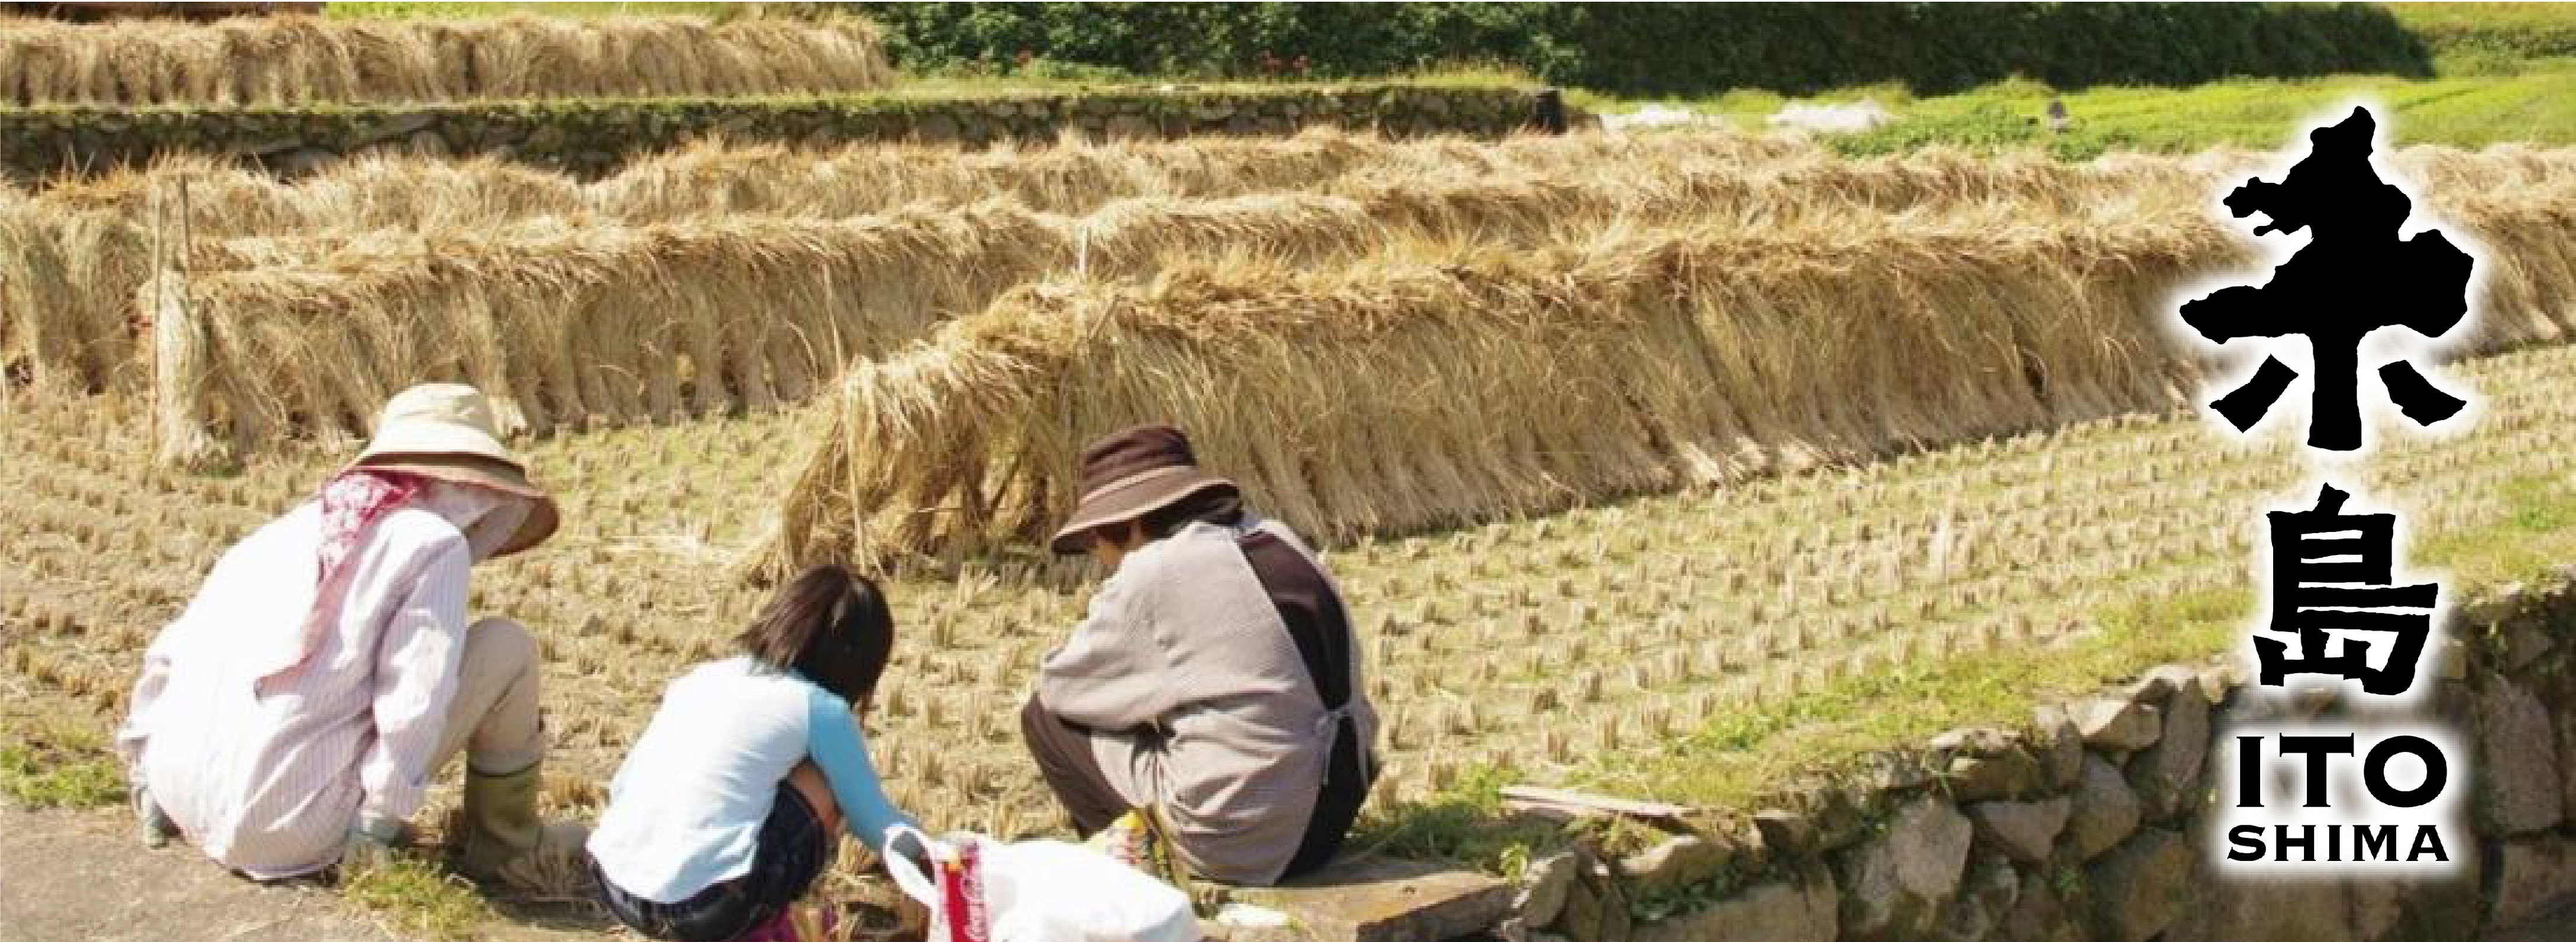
x=81 y=877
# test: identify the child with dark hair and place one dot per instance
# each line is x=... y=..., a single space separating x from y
x=733 y=801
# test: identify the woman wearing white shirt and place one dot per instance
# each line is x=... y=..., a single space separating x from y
x=325 y=671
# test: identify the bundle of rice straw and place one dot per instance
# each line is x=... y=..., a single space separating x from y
x=294 y=60
x=1388 y=398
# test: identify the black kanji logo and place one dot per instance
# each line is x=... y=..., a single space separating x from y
x=2323 y=582
x=2355 y=276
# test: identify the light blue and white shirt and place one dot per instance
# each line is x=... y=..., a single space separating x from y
x=685 y=810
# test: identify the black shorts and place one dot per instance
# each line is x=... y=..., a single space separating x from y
x=794 y=849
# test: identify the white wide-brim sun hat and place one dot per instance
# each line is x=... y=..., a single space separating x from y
x=446 y=431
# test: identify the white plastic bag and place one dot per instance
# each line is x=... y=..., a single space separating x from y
x=1047 y=891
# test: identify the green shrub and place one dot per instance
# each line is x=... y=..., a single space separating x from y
x=1673 y=48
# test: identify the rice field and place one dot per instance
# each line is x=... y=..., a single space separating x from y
x=1613 y=443
x=1629 y=625
x=298 y=60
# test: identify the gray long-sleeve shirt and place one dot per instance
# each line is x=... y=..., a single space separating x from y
x=1199 y=701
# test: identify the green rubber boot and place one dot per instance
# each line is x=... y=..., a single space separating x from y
x=502 y=840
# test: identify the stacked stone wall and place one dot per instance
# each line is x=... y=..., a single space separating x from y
x=2092 y=824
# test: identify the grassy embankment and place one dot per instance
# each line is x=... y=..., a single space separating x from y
x=2506 y=72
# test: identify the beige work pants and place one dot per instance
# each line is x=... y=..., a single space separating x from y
x=493 y=721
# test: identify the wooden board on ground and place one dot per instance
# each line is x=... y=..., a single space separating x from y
x=1378 y=899
x=1557 y=802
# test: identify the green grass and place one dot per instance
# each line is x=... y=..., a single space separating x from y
x=2539 y=536
x=421 y=898
x=2511 y=29
x=58 y=765
x=1464 y=823
x=2483 y=15
x=2537 y=105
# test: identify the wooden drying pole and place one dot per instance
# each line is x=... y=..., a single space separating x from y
x=179 y=339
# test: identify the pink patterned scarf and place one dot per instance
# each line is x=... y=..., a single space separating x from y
x=352 y=502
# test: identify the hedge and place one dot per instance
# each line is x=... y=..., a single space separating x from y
x=1669 y=47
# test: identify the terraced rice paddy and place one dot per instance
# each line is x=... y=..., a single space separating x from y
x=1615 y=444
x=1626 y=627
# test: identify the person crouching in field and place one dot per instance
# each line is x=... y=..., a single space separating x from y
x=294 y=713
x=1214 y=682
x=733 y=801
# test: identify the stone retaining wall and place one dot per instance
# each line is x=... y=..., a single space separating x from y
x=593 y=136
x=2087 y=825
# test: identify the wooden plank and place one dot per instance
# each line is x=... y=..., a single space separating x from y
x=1544 y=800
x=1377 y=899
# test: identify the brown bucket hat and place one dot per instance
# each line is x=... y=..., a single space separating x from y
x=1128 y=474
x=446 y=431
